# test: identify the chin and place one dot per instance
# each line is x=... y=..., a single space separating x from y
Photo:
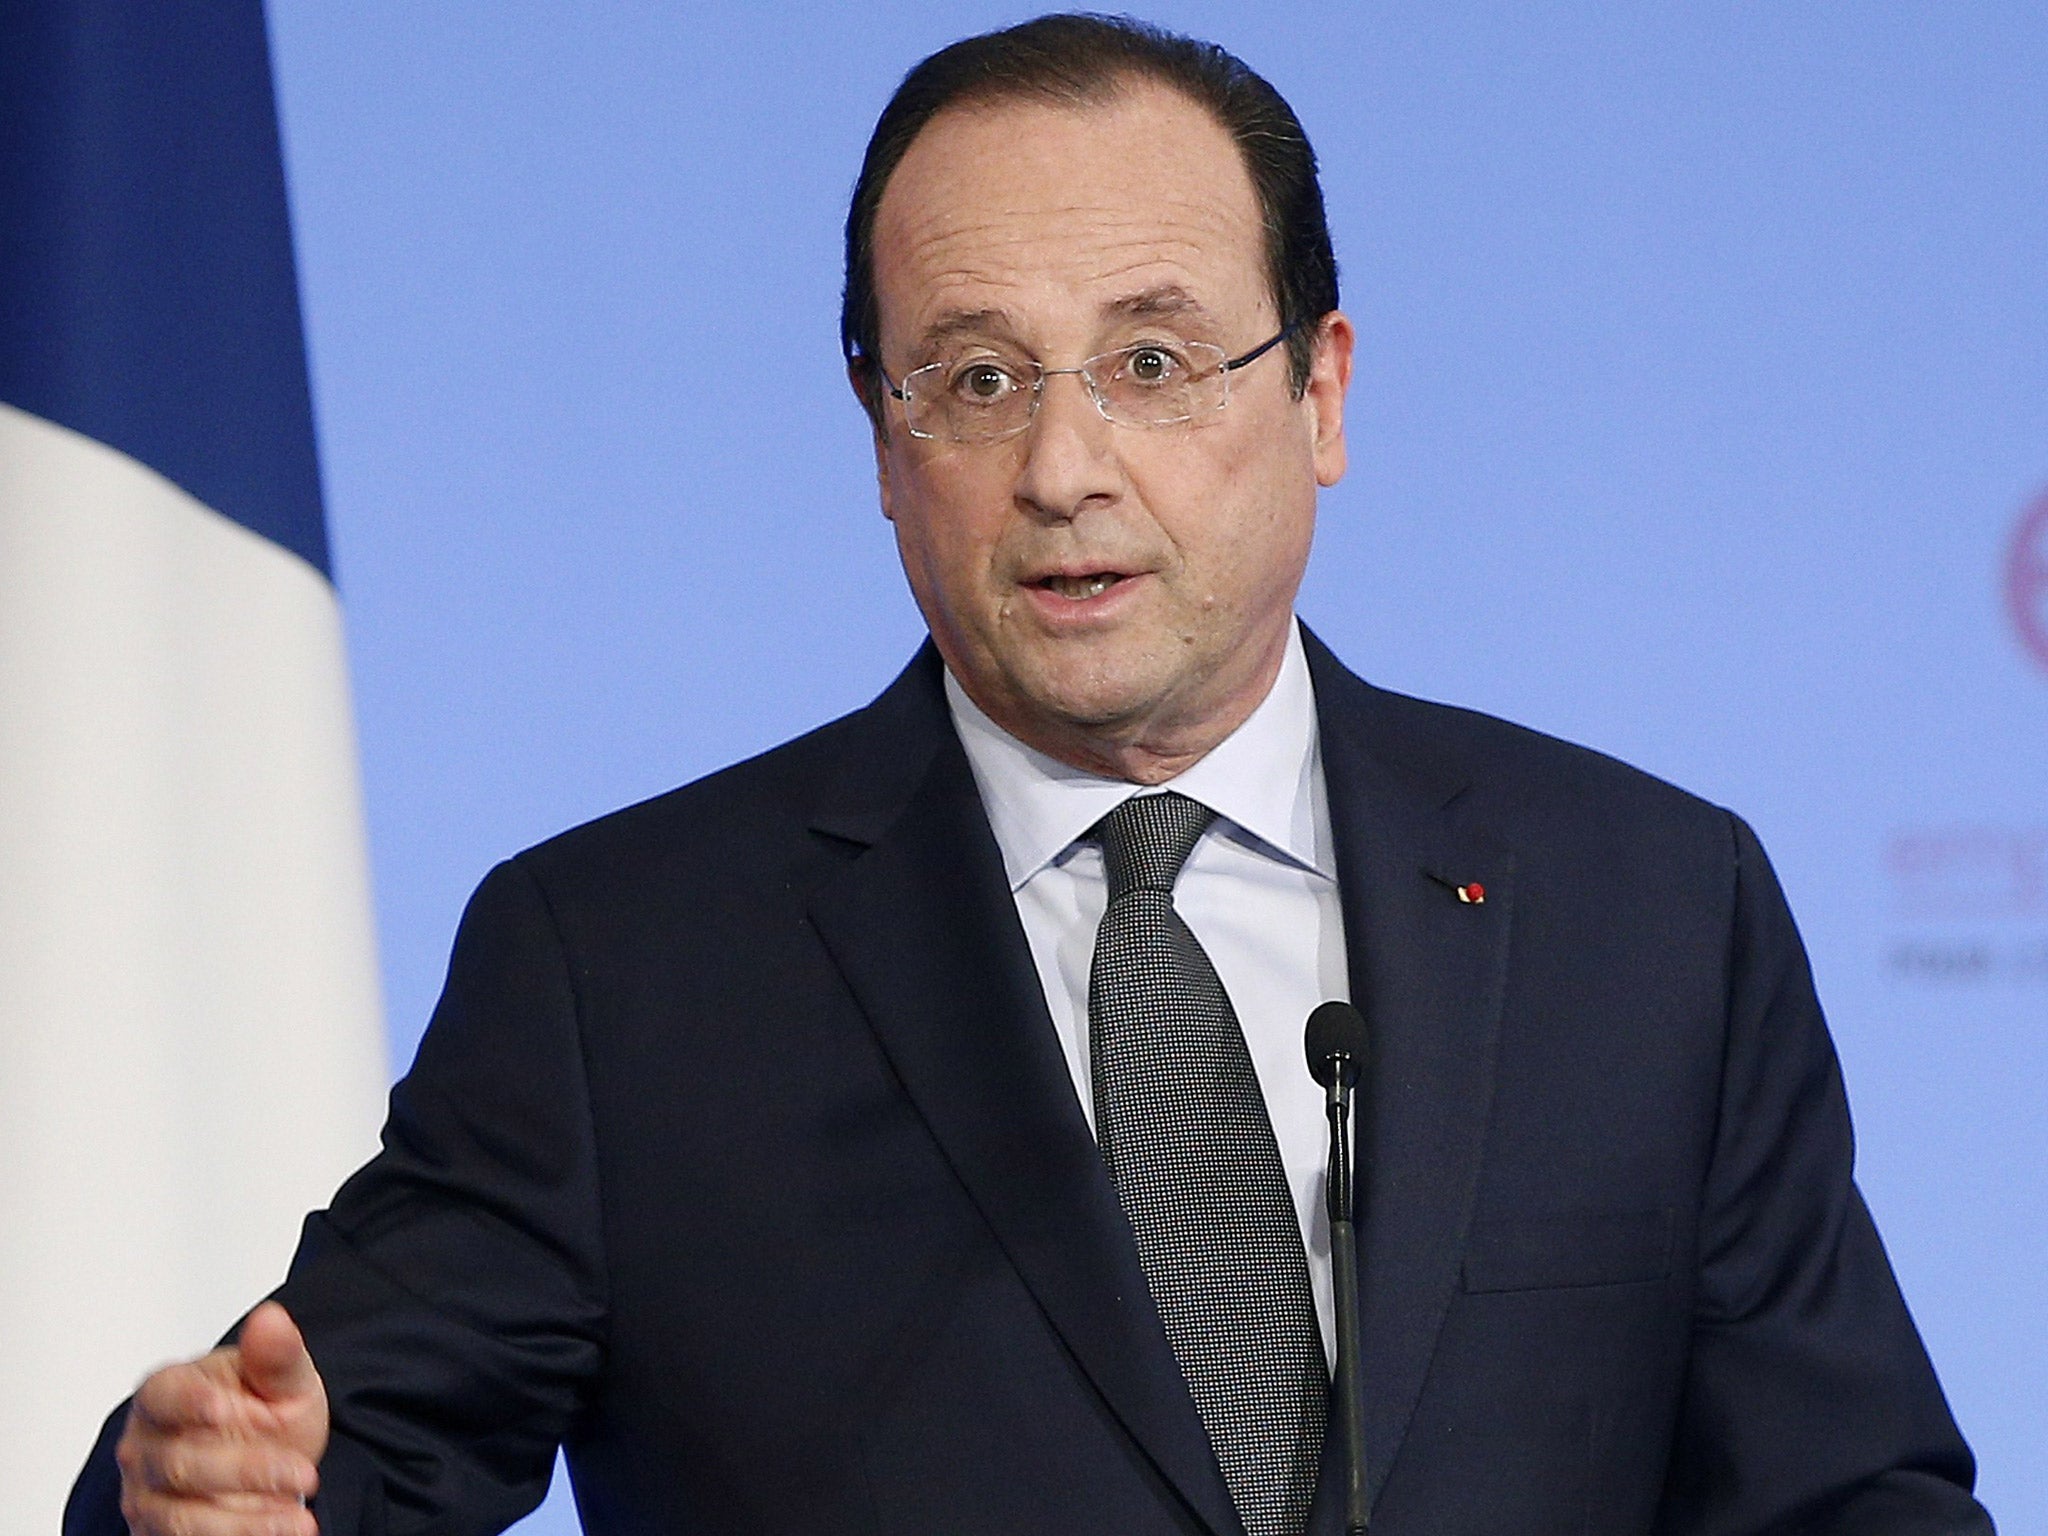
x=1092 y=700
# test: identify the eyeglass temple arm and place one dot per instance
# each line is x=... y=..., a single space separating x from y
x=1249 y=357
x=858 y=359
x=894 y=392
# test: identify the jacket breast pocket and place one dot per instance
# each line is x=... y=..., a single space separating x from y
x=1571 y=1249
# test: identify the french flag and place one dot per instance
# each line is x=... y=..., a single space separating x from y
x=191 y=1050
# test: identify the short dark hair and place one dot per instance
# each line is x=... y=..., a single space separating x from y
x=1081 y=59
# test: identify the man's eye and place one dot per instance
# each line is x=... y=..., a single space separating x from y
x=982 y=383
x=1154 y=365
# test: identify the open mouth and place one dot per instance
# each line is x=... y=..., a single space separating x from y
x=1079 y=588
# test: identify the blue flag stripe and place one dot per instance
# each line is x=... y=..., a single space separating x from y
x=148 y=296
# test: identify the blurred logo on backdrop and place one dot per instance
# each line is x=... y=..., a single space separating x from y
x=2026 y=579
x=1970 y=872
x=1972 y=902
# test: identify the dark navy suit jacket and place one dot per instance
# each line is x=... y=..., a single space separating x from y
x=741 y=1158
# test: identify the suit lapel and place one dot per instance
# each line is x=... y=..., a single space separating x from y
x=921 y=926
x=923 y=929
x=1428 y=972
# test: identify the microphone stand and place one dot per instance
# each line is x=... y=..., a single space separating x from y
x=1348 y=1386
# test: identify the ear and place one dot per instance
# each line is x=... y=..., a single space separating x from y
x=1329 y=377
x=858 y=376
x=882 y=473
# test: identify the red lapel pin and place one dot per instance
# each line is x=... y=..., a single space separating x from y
x=1472 y=893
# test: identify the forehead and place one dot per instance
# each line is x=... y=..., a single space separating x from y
x=1053 y=217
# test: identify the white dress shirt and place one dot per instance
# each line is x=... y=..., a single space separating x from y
x=1259 y=892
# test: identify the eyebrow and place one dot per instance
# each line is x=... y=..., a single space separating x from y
x=954 y=323
x=1166 y=301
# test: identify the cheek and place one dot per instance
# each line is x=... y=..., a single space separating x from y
x=945 y=534
x=1260 y=565
x=1244 y=523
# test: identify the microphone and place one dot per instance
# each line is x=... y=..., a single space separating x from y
x=1339 y=1049
x=1338 y=1044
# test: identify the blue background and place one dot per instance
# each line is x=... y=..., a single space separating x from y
x=1703 y=383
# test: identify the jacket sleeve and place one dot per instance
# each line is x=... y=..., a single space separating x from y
x=1809 y=1402
x=453 y=1295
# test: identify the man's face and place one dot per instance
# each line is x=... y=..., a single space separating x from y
x=1116 y=596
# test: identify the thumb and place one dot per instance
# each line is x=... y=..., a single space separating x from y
x=273 y=1360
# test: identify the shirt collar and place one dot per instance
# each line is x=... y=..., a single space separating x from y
x=1265 y=778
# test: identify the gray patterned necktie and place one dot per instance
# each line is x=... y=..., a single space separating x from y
x=1183 y=1128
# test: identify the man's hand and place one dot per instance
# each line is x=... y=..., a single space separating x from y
x=228 y=1444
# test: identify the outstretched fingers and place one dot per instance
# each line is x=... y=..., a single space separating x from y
x=213 y=1465
x=228 y=1444
x=157 y=1514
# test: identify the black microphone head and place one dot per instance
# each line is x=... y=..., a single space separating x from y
x=1337 y=1040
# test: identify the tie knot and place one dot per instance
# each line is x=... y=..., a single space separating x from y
x=1147 y=839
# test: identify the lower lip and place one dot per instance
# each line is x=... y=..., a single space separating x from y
x=1055 y=608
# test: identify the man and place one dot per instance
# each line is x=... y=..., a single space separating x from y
x=906 y=1130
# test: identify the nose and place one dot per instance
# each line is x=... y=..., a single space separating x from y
x=1070 y=460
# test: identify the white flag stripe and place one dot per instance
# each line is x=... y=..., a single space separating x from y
x=191 y=1048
